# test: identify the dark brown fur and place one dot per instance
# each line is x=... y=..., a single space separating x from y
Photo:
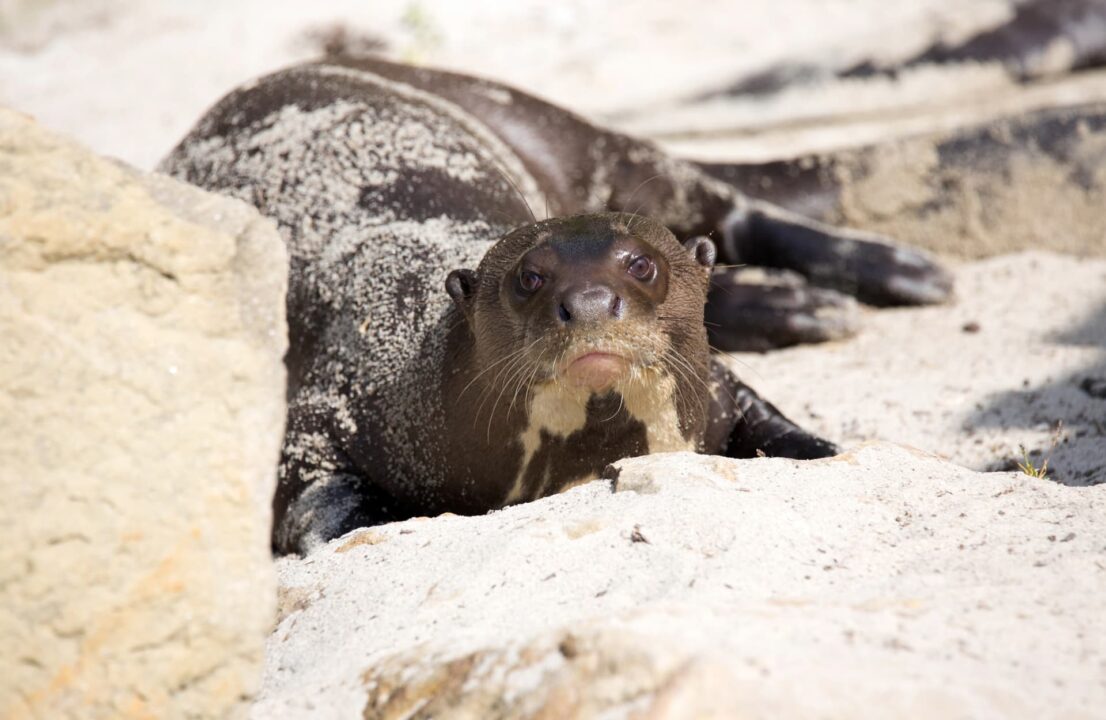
x=390 y=184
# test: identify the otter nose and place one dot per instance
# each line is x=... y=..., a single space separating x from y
x=594 y=303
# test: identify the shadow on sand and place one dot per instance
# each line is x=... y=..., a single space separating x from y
x=1073 y=407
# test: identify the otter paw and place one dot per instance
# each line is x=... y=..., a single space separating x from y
x=893 y=275
x=756 y=309
x=799 y=445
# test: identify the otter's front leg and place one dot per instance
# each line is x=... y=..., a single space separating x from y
x=742 y=424
x=320 y=494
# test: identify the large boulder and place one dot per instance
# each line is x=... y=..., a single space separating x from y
x=882 y=583
x=141 y=413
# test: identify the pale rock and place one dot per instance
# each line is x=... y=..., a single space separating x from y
x=141 y=414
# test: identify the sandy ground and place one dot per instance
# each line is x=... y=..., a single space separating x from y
x=129 y=77
x=884 y=584
x=1015 y=361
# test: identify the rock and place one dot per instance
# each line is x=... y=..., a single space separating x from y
x=881 y=583
x=141 y=414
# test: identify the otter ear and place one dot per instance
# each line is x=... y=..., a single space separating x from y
x=461 y=286
x=703 y=250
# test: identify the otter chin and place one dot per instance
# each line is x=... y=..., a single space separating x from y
x=596 y=370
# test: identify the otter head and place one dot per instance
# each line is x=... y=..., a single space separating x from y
x=589 y=307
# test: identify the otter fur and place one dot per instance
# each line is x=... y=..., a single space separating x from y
x=449 y=351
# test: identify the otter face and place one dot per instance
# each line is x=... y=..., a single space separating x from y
x=592 y=303
x=593 y=325
x=593 y=299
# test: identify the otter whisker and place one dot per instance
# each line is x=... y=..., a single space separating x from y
x=642 y=184
x=489 y=387
x=682 y=363
x=509 y=359
x=737 y=360
x=490 y=367
x=510 y=181
x=733 y=399
x=520 y=372
x=680 y=389
x=519 y=361
x=556 y=375
x=686 y=365
x=528 y=384
x=528 y=396
x=621 y=400
x=518 y=357
x=524 y=379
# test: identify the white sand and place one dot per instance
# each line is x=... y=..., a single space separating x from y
x=885 y=584
x=914 y=376
x=129 y=77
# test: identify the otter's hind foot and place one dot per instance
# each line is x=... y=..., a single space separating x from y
x=868 y=266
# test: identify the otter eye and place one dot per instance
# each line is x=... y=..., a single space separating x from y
x=530 y=281
x=642 y=267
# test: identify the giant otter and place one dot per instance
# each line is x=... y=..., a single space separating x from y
x=449 y=351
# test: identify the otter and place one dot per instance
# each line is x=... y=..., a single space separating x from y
x=450 y=351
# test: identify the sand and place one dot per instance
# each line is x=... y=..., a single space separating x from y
x=1000 y=368
x=129 y=77
x=885 y=583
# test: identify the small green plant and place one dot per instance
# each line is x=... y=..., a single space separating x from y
x=423 y=31
x=1028 y=467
